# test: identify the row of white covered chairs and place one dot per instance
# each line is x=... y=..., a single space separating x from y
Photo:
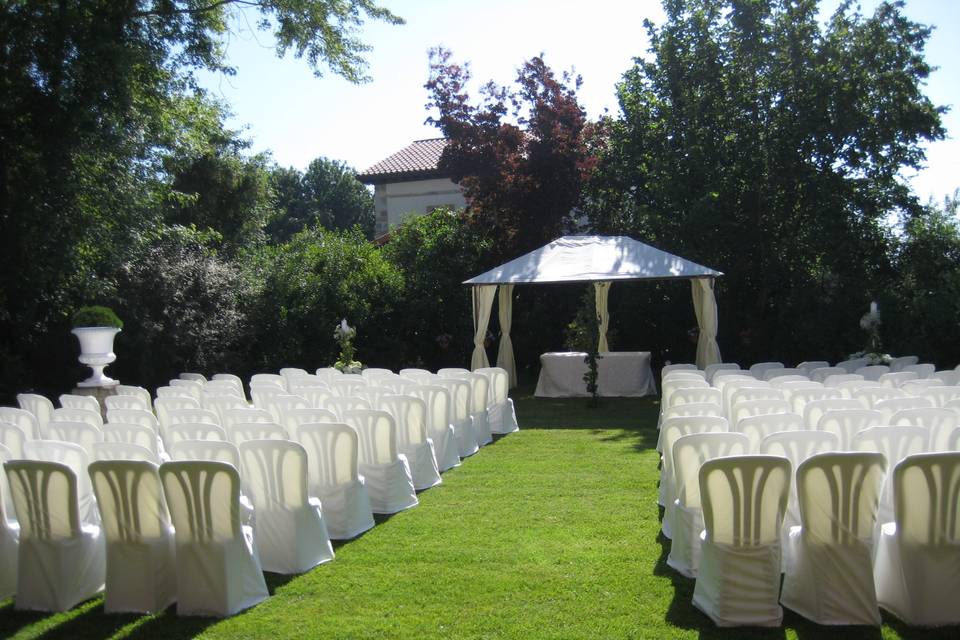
x=769 y=370
x=169 y=534
x=836 y=571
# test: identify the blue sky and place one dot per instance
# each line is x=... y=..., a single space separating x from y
x=284 y=109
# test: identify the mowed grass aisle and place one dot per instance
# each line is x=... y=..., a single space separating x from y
x=551 y=532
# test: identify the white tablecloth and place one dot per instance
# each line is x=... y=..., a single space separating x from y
x=621 y=373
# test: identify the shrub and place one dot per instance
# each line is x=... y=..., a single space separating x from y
x=96 y=316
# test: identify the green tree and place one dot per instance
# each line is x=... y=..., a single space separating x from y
x=765 y=145
x=328 y=193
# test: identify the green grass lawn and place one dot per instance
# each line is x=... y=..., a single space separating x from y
x=552 y=532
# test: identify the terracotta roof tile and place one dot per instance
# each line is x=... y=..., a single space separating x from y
x=417 y=161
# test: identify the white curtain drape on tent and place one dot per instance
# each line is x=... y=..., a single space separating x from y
x=705 y=306
x=505 y=358
x=482 y=305
x=601 y=295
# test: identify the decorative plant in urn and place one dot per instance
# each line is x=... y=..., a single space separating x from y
x=344 y=335
x=95 y=328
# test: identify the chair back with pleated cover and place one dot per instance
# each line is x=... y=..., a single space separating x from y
x=410 y=414
x=926 y=490
x=332 y=453
x=689 y=454
x=44 y=495
x=838 y=494
x=377 y=432
x=204 y=500
x=209 y=450
x=275 y=474
x=130 y=499
x=744 y=499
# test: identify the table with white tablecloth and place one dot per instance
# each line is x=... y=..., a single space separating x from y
x=620 y=373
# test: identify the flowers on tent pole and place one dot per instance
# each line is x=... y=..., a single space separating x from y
x=344 y=335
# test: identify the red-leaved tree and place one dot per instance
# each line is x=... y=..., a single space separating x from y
x=522 y=155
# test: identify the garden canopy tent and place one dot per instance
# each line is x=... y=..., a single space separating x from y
x=600 y=260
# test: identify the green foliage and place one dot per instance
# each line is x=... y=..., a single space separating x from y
x=96 y=316
x=307 y=285
x=185 y=309
x=435 y=253
x=767 y=146
x=328 y=194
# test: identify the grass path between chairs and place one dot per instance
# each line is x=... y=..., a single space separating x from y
x=551 y=532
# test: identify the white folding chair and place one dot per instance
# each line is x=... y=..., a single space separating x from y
x=814 y=409
x=798 y=397
x=385 y=470
x=797 y=446
x=711 y=369
x=133 y=416
x=897 y=364
x=123 y=451
x=268 y=378
x=240 y=433
x=673 y=429
x=339 y=405
x=938 y=423
x=941 y=395
x=775 y=373
x=344 y=388
x=133 y=390
x=744 y=498
x=807 y=366
x=920 y=387
x=290 y=374
x=835 y=381
x=758 y=427
x=869 y=396
x=316 y=397
x=162 y=407
x=61 y=561
x=467 y=441
x=333 y=476
x=895 y=443
x=209 y=450
x=692 y=409
x=372 y=373
x=232 y=379
x=894 y=405
x=371 y=394
x=675 y=376
x=72 y=401
x=845 y=423
x=224 y=387
x=667 y=369
x=193 y=387
x=689 y=453
x=296 y=417
x=193 y=431
x=413 y=441
x=501 y=414
x=9 y=532
x=218 y=572
x=195 y=377
x=777 y=381
x=759 y=369
x=39 y=406
x=297 y=384
x=917 y=564
x=328 y=373
x=695 y=395
x=26 y=421
x=853 y=364
x=923 y=370
x=747 y=408
x=829 y=567
x=873 y=372
x=12 y=437
x=289 y=528
x=173 y=392
x=133 y=434
x=729 y=387
x=822 y=373
x=437 y=400
x=126 y=402
x=75 y=457
x=80 y=433
x=399 y=385
x=93 y=418
x=849 y=387
x=669 y=387
x=141 y=573
x=420 y=375
x=896 y=379
x=250 y=415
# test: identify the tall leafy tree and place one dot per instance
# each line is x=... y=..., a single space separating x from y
x=761 y=143
x=95 y=94
x=521 y=154
x=327 y=193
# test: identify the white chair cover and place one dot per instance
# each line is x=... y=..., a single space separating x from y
x=123 y=451
x=439 y=428
x=75 y=457
x=198 y=431
x=895 y=443
x=9 y=533
x=460 y=398
x=758 y=427
x=249 y=415
x=61 y=561
x=681 y=366
x=328 y=373
x=333 y=476
x=218 y=571
x=12 y=437
x=193 y=387
x=759 y=369
x=134 y=416
x=196 y=377
x=674 y=428
x=479 y=395
x=888 y=408
x=807 y=366
x=815 y=409
x=193 y=416
x=296 y=417
x=829 y=566
x=869 y=396
x=896 y=379
x=290 y=531
x=692 y=409
x=845 y=423
x=412 y=440
x=873 y=372
x=821 y=373
x=897 y=364
x=917 y=565
x=141 y=574
x=738 y=582
x=386 y=472
x=72 y=401
x=133 y=390
x=689 y=454
x=339 y=405
x=501 y=413
x=241 y=433
x=790 y=373
x=93 y=418
x=126 y=402
x=80 y=433
x=938 y=423
x=270 y=378
x=26 y=421
x=711 y=369
x=174 y=392
x=40 y=407
x=853 y=364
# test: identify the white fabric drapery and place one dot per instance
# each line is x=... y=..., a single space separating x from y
x=482 y=305
x=601 y=295
x=705 y=307
x=505 y=358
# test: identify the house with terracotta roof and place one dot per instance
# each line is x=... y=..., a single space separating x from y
x=409 y=182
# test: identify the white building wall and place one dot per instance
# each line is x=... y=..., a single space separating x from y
x=396 y=201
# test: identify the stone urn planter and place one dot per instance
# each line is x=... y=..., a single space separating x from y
x=96 y=351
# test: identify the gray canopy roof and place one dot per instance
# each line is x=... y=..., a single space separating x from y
x=593 y=259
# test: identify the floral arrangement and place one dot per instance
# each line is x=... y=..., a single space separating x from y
x=870 y=322
x=344 y=335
